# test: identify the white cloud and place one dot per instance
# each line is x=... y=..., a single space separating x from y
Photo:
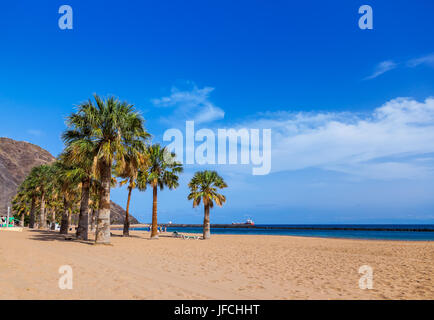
x=426 y=60
x=394 y=141
x=385 y=144
x=381 y=68
x=191 y=105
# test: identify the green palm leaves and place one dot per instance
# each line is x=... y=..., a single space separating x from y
x=28 y=195
x=163 y=169
x=204 y=186
x=110 y=125
x=21 y=203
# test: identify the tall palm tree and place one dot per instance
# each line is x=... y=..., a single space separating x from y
x=29 y=191
x=110 y=125
x=204 y=186
x=35 y=191
x=44 y=176
x=163 y=172
x=37 y=185
x=135 y=160
x=51 y=197
x=67 y=184
x=55 y=201
x=80 y=153
x=21 y=204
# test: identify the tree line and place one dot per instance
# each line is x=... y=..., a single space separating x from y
x=106 y=144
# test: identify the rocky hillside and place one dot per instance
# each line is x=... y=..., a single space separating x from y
x=17 y=158
x=117 y=215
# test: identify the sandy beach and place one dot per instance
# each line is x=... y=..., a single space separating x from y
x=225 y=267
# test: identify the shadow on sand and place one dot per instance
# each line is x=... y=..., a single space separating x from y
x=121 y=236
x=45 y=235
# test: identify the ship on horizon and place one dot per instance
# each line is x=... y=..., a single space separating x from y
x=249 y=222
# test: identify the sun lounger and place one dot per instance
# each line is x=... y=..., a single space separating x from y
x=190 y=237
x=183 y=236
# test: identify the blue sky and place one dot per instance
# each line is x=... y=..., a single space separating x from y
x=350 y=109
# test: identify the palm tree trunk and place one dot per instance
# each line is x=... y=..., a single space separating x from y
x=22 y=219
x=64 y=225
x=92 y=220
x=53 y=219
x=206 y=225
x=154 y=231
x=89 y=216
x=32 y=214
x=83 y=218
x=103 y=221
x=42 y=218
x=126 y=232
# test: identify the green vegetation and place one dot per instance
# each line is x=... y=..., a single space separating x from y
x=105 y=141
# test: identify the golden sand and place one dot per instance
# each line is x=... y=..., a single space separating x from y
x=225 y=267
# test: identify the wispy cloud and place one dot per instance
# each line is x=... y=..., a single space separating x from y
x=426 y=60
x=381 y=68
x=388 y=143
x=388 y=65
x=191 y=104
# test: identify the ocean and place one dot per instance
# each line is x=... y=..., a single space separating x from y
x=350 y=231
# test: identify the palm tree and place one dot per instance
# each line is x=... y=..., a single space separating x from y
x=20 y=204
x=31 y=193
x=67 y=185
x=55 y=201
x=35 y=191
x=204 y=186
x=110 y=125
x=36 y=186
x=135 y=160
x=80 y=153
x=163 y=172
x=45 y=176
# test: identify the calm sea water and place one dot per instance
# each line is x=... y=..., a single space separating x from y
x=318 y=231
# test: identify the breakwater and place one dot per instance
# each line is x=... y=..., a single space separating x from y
x=301 y=227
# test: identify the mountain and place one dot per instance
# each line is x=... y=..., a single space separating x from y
x=117 y=215
x=17 y=158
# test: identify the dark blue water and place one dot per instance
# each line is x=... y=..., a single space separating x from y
x=318 y=231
